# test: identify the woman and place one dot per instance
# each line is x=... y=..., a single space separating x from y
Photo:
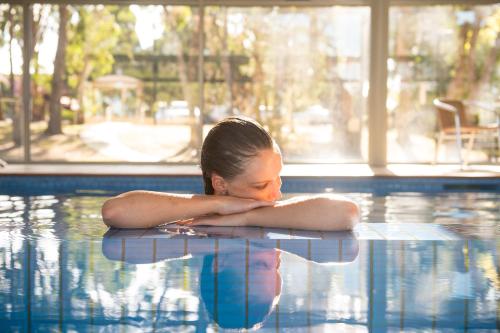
x=241 y=167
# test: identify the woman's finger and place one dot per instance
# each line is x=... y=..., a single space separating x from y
x=239 y=205
x=206 y=220
x=262 y=203
x=184 y=222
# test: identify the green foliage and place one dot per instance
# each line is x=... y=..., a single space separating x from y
x=92 y=40
x=15 y=18
x=127 y=38
x=488 y=39
x=11 y=17
x=182 y=19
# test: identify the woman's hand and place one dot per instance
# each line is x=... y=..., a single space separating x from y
x=226 y=205
x=229 y=212
x=232 y=220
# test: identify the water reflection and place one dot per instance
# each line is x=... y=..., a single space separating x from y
x=240 y=280
x=148 y=281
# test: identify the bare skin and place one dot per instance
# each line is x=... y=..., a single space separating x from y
x=249 y=199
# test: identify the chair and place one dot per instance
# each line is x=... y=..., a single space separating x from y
x=454 y=124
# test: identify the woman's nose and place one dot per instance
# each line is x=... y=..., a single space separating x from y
x=276 y=192
x=277 y=195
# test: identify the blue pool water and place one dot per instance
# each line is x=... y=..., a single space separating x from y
x=420 y=261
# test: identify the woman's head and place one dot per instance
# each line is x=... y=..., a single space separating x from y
x=240 y=158
x=240 y=289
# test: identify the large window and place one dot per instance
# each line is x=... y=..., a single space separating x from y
x=126 y=84
x=449 y=52
x=300 y=71
x=145 y=83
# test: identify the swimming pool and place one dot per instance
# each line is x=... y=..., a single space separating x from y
x=426 y=258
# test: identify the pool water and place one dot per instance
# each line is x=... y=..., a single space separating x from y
x=418 y=262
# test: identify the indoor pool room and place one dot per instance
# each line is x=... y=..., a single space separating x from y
x=250 y=166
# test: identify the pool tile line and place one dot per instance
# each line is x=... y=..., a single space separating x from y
x=363 y=231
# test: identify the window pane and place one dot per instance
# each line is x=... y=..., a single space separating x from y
x=11 y=81
x=446 y=52
x=127 y=82
x=300 y=71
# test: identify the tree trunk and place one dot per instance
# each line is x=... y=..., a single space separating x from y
x=488 y=70
x=226 y=65
x=38 y=106
x=55 y=126
x=463 y=81
x=258 y=80
x=84 y=75
x=184 y=74
x=17 y=123
x=10 y=19
x=195 y=142
x=16 y=109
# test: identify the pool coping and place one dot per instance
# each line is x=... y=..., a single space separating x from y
x=317 y=178
x=289 y=170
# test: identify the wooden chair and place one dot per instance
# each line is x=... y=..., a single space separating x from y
x=454 y=124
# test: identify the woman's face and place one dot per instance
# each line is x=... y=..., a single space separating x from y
x=262 y=271
x=261 y=179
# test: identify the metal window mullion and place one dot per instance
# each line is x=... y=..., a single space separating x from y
x=234 y=3
x=414 y=3
x=26 y=111
x=201 y=76
x=269 y=3
x=377 y=114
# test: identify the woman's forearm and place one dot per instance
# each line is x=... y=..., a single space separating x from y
x=323 y=212
x=145 y=209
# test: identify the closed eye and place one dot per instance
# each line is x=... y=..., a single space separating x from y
x=261 y=265
x=261 y=187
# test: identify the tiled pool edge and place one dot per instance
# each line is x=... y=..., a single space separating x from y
x=13 y=184
x=300 y=170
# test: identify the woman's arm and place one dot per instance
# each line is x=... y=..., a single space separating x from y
x=146 y=209
x=325 y=212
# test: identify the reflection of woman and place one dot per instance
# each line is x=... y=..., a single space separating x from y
x=238 y=295
x=241 y=167
x=240 y=280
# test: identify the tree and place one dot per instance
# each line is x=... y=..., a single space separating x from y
x=10 y=20
x=55 y=126
x=489 y=57
x=11 y=26
x=477 y=53
x=41 y=82
x=184 y=26
x=89 y=52
x=127 y=40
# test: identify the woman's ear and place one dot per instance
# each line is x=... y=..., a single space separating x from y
x=219 y=184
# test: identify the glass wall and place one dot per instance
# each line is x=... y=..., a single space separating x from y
x=122 y=83
x=116 y=83
x=448 y=52
x=299 y=71
x=144 y=83
x=11 y=85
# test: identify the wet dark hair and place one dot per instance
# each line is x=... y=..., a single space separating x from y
x=229 y=145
